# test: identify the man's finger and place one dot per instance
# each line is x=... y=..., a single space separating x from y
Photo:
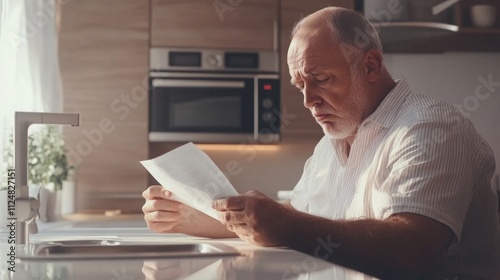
x=161 y=205
x=236 y=227
x=162 y=227
x=234 y=203
x=242 y=230
x=232 y=217
x=162 y=216
x=156 y=191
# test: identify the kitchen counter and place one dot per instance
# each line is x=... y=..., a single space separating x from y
x=254 y=262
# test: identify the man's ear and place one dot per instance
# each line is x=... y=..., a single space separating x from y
x=372 y=65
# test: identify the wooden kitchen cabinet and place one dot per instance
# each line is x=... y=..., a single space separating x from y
x=103 y=52
x=226 y=24
x=292 y=100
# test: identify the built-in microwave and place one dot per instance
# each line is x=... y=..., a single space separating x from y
x=214 y=96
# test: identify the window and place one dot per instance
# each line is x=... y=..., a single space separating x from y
x=29 y=69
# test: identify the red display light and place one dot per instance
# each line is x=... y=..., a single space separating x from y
x=268 y=87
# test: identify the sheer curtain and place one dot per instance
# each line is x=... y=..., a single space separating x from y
x=29 y=67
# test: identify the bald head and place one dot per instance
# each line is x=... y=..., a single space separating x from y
x=344 y=26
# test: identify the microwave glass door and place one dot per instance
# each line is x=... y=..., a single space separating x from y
x=202 y=105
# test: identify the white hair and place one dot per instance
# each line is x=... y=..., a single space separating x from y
x=351 y=29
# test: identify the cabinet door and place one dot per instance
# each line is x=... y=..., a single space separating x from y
x=292 y=100
x=229 y=24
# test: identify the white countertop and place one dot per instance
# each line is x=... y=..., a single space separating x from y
x=254 y=262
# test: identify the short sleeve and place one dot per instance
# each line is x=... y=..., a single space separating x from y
x=300 y=197
x=432 y=167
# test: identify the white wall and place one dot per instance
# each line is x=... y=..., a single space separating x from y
x=453 y=78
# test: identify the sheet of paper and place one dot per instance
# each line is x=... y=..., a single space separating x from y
x=191 y=176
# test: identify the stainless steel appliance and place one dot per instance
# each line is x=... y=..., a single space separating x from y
x=214 y=96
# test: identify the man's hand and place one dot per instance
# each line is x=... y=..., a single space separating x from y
x=165 y=215
x=161 y=213
x=256 y=218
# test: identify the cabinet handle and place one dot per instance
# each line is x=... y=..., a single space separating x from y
x=197 y=83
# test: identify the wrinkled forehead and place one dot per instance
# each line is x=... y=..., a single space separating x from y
x=303 y=56
x=312 y=51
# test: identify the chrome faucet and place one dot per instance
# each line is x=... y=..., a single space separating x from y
x=26 y=206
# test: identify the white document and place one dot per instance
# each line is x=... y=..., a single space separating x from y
x=192 y=177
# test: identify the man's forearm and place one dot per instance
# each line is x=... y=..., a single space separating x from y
x=378 y=247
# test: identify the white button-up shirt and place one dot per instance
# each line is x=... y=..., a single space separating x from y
x=414 y=154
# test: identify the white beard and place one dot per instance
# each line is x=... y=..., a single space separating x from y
x=348 y=125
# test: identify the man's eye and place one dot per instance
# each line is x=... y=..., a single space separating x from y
x=321 y=80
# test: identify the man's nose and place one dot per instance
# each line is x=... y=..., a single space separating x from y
x=310 y=97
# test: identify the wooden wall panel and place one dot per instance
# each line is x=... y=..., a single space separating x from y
x=104 y=50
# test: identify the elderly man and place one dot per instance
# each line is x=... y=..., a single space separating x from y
x=398 y=186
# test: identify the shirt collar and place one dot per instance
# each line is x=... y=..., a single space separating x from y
x=385 y=114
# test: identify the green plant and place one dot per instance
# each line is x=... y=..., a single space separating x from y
x=47 y=161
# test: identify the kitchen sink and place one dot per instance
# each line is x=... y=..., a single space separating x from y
x=95 y=249
x=83 y=242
